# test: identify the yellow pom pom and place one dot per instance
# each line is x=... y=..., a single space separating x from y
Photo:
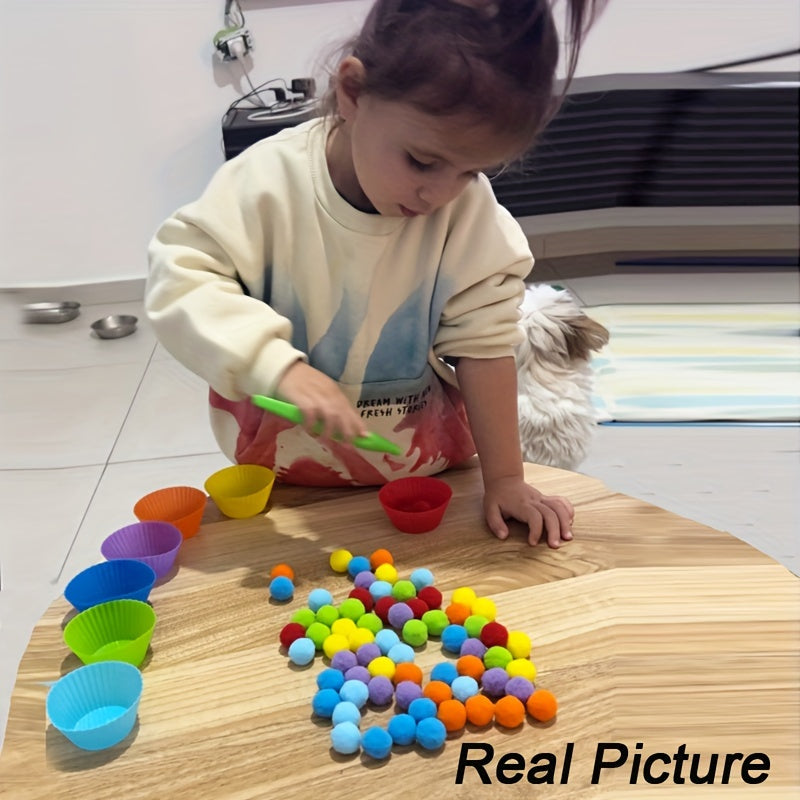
x=340 y=559
x=360 y=636
x=334 y=643
x=464 y=595
x=386 y=572
x=521 y=668
x=382 y=665
x=484 y=607
x=343 y=626
x=519 y=644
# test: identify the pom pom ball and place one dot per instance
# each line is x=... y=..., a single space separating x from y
x=421 y=578
x=473 y=647
x=444 y=671
x=403 y=729
x=372 y=622
x=367 y=652
x=318 y=598
x=399 y=613
x=453 y=636
x=355 y=692
x=401 y=653
x=471 y=666
x=330 y=679
x=358 y=673
x=380 y=556
x=453 y=714
x=509 y=711
x=359 y=637
x=406 y=692
x=346 y=738
x=415 y=632
x=382 y=607
x=327 y=614
x=302 y=651
x=344 y=660
x=340 y=559
x=464 y=686
x=357 y=564
x=324 y=701
x=380 y=589
x=484 y=607
x=480 y=710
x=318 y=633
x=281 y=588
x=304 y=617
x=364 y=579
x=383 y=665
x=334 y=643
x=386 y=640
x=377 y=743
x=494 y=681
x=381 y=690
x=457 y=613
x=403 y=590
x=431 y=733
x=364 y=596
x=521 y=668
x=290 y=632
x=519 y=687
x=519 y=644
x=421 y=708
x=496 y=657
x=431 y=596
x=351 y=608
x=343 y=626
x=542 y=705
x=283 y=570
x=463 y=595
x=474 y=625
x=435 y=621
x=345 y=711
x=386 y=572
x=493 y=634
x=408 y=671
x=438 y=691
x=417 y=606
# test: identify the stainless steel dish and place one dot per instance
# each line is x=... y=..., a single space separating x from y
x=115 y=326
x=48 y=313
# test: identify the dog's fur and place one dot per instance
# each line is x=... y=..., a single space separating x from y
x=556 y=416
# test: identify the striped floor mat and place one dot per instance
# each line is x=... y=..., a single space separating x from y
x=698 y=363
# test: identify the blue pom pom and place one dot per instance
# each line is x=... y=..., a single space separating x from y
x=386 y=639
x=358 y=564
x=403 y=729
x=281 y=588
x=445 y=671
x=355 y=692
x=377 y=743
x=463 y=687
x=453 y=636
x=330 y=679
x=421 y=708
x=345 y=711
x=431 y=733
x=318 y=598
x=421 y=578
x=302 y=651
x=380 y=589
x=401 y=653
x=324 y=701
x=346 y=738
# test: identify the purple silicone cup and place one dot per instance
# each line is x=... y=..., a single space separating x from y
x=154 y=543
x=120 y=579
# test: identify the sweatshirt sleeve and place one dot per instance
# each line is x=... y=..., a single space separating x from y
x=489 y=258
x=200 y=260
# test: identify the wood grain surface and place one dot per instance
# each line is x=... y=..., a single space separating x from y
x=654 y=632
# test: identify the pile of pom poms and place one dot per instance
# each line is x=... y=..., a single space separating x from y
x=369 y=639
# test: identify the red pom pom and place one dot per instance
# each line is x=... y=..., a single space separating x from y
x=290 y=632
x=431 y=596
x=364 y=596
x=419 y=607
x=382 y=608
x=493 y=634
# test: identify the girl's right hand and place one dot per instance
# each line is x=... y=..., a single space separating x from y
x=326 y=411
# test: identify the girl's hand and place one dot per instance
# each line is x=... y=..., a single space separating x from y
x=507 y=498
x=326 y=411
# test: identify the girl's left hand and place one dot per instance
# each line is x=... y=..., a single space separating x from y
x=513 y=498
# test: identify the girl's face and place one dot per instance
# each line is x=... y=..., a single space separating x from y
x=391 y=158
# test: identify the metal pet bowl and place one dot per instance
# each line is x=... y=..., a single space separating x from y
x=49 y=313
x=115 y=326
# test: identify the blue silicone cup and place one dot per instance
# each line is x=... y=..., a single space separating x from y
x=95 y=706
x=120 y=579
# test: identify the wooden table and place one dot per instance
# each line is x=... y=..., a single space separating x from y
x=657 y=634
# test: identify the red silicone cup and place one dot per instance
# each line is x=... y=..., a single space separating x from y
x=415 y=505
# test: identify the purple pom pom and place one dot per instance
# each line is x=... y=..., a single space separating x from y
x=473 y=647
x=343 y=660
x=358 y=673
x=399 y=614
x=520 y=687
x=406 y=692
x=381 y=690
x=367 y=652
x=494 y=681
x=364 y=579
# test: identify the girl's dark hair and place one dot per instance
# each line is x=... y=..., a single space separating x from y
x=496 y=60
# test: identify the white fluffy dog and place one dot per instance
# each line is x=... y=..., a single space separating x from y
x=556 y=416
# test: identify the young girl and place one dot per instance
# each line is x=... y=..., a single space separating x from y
x=359 y=266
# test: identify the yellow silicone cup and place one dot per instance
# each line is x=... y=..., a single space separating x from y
x=242 y=490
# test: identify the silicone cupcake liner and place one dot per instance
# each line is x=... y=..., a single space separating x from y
x=110 y=580
x=119 y=630
x=242 y=490
x=183 y=506
x=154 y=543
x=95 y=706
x=415 y=504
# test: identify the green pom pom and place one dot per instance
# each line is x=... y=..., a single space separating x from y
x=435 y=621
x=415 y=632
x=404 y=590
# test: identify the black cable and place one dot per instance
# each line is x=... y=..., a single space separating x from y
x=753 y=60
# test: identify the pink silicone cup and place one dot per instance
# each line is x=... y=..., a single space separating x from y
x=155 y=543
x=183 y=506
x=415 y=504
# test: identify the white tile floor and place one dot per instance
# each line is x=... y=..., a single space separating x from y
x=88 y=426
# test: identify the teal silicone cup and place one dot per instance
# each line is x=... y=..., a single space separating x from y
x=119 y=630
x=110 y=580
x=95 y=706
x=155 y=543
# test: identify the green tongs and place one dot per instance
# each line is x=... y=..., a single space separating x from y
x=372 y=441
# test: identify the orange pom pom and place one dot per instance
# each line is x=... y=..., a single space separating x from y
x=379 y=557
x=457 y=613
x=509 y=711
x=542 y=705
x=438 y=691
x=453 y=714
x=284 y=570
x=480 y=709
x=472 y=666
x=408 y=671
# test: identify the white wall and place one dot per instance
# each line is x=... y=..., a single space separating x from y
x=110 y=109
